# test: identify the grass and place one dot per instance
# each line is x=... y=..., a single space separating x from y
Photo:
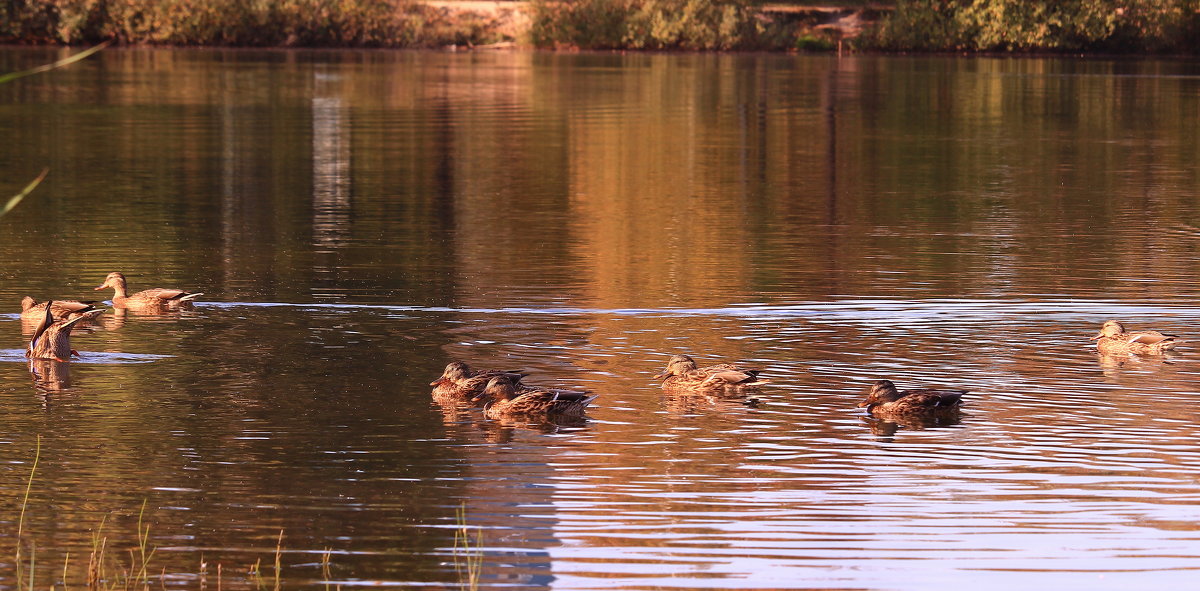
x=468 y=552
x=136 y=574
x=110 y=569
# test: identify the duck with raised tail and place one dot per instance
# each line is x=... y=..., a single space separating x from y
x=52 y=339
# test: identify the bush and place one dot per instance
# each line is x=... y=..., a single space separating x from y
x=1025 y=25
x=333 y=23
x=648 y=24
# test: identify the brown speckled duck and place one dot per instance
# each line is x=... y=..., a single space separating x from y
x=458 y=381
x=505 y=399
x=884 y=401
x=682 y=376
x=1113 y=339
x=52 y=339
x=158 y=297
x=62 y=309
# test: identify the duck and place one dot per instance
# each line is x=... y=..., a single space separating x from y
x=683 y=376
x=884 y=400
x=458 y=381
x=52 y=339
x=62 y=309
x=507 y=400
x=147 y=299
x=1112 y=339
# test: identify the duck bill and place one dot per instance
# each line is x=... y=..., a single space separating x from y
x=438 y=382
x=1097 y=337
x=865 y=403
x=98 y=288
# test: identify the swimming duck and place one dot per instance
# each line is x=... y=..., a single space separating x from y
x=146 y=299
x=884 y=400
x=682 y=376
x=62 y=309
x=507 y=400
x=1113 y=339
x=458 y=381
x=52 y=339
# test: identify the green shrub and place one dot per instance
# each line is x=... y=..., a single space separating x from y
x=810 y=42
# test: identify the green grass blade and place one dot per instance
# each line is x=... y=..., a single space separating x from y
x=27 y=190
x=58 y=64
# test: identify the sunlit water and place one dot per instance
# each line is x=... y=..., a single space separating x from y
x=358 y=219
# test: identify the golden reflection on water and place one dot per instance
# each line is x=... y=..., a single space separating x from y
x=939 y=222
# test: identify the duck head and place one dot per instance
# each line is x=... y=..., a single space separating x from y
x=498 y=388
x=1111 y=328
x=880 y=392
x=677 y=366
x=113 y=280
x=455 y=371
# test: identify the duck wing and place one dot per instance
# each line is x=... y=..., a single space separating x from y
x=733 y=377
x=934 y=397
x=1149 y=337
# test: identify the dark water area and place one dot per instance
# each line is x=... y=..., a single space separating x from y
x=356 y=220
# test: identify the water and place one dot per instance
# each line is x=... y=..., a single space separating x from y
x=358 y=219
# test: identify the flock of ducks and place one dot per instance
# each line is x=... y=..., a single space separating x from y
x=505 y=396
x=56 y=318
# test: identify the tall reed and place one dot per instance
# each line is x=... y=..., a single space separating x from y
x=468 y=551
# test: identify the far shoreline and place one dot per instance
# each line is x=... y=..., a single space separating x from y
x=904 y=27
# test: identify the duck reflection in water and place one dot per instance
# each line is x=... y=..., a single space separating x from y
x=50 y=375
x=888 y=427
x=684 y=377
x=699 y=405
x=919 y=408
x=1124 y=365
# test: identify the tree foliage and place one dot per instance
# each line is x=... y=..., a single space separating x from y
x=1027 y=25
x=650 y=24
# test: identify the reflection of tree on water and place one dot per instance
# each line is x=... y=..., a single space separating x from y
x=331 y=157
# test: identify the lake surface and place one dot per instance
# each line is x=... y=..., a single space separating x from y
x=356 y=220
